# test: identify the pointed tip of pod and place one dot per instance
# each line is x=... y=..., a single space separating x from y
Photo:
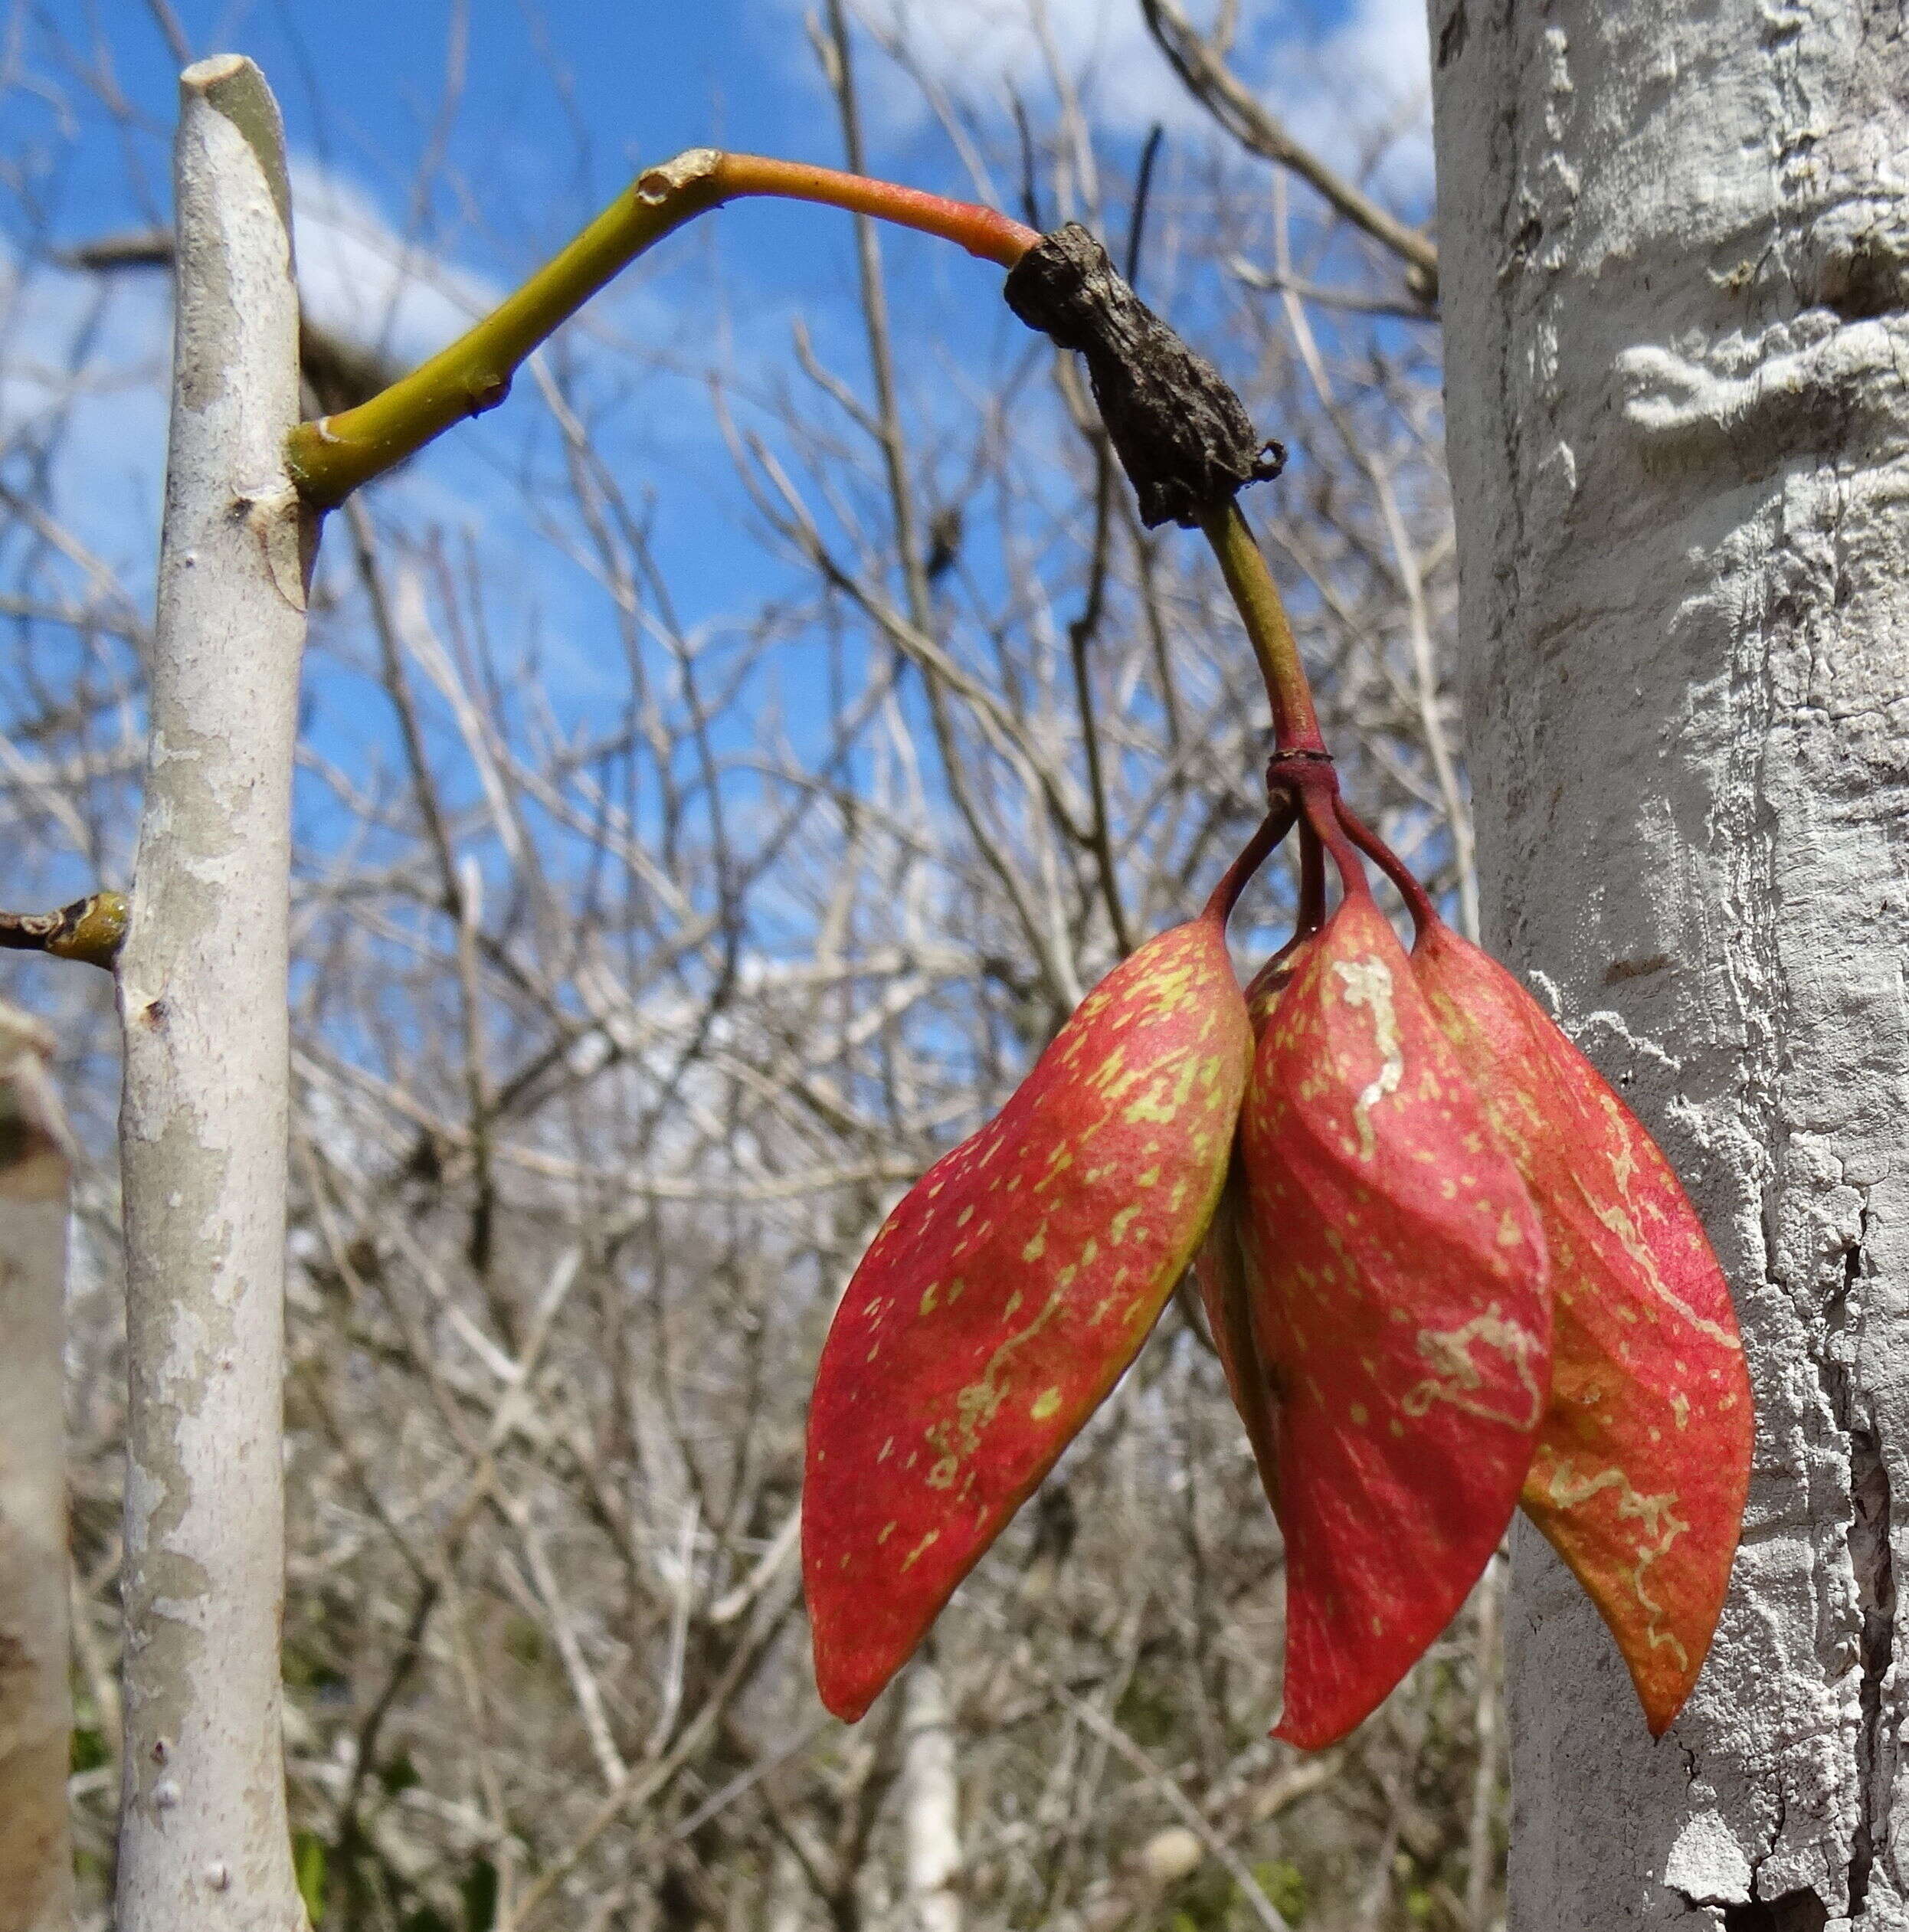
x=1319 y=1731
x=1007 y=1294
x=844 y=1680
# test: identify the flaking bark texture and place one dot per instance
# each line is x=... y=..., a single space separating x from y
x=203 y=1841
x=36 y=1716
x=1181 y=434
x=1674 y=260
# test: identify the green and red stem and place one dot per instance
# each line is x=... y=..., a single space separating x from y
x=1301 y=768
x=984 y=232
x=331 y=457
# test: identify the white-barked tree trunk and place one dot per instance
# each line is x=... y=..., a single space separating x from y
x=203 y=1844
x=1675 y=264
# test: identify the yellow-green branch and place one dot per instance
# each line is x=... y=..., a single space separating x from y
x=331 y=457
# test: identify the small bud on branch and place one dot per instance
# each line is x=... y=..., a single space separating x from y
x=90 y=930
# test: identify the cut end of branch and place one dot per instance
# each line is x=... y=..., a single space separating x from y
x=1181 y=434
x=656 y=186
x=231 y=83
x=202 y=76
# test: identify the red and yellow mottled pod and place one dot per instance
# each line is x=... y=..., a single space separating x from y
x=1228 y=1290
x=1644 y=1459
x=1005 y=1295
x=1228 y=1285
x=1403 y=1310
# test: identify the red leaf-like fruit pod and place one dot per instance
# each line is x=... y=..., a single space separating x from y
x=1229 y=1284
x=1228 y=1290
x=1402 y=1309
x=1005 y=1295
x=1644 y=1458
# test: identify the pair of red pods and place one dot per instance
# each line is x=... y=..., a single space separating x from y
x=1446 y=1270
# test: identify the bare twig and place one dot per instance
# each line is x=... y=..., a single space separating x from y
x=1201 y=65
x=335 y=455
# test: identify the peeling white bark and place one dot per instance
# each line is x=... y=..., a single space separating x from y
x=931 y=1803
x=202 y=994
x=36 y=1714
x=1675 y=257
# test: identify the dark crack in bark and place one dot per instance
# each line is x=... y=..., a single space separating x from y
x=1874 y=1570
x=1870 y=1558
x=1801 y=1911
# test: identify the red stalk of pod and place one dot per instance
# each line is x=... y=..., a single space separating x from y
x=1009 y=1290
x=1401 y=1309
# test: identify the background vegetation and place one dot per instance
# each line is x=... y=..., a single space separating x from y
x=725 y=767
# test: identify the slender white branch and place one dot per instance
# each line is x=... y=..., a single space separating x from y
x=36 y=1715
x=203 y=999
x=931 y=1803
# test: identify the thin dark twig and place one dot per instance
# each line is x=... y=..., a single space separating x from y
x=1143 y=187
x=1080 y=632
x=171 y=32
x=351 y=1841
x=1353 y=301
x=1080 y=635
x=1030 y=183
x=1206 y=76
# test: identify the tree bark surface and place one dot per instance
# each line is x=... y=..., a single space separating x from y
x=202 y=992
x=36 y=1712
x=1674 y=260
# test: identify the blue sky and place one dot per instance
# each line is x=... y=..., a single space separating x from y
x=558 y=106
